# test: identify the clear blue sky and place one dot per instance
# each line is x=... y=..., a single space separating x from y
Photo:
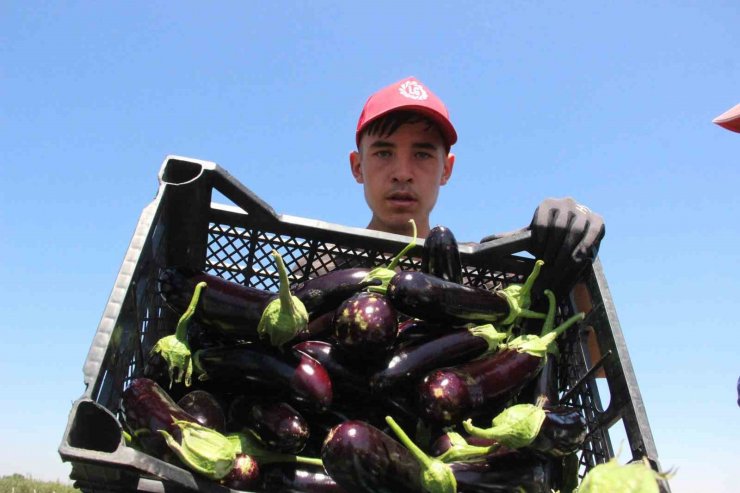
x=610 y=102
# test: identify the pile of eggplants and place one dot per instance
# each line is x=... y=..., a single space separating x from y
x=396 y=381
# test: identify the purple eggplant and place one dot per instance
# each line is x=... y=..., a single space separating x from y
x=318 y=328
x=456 y=347
x=361 y=458
x=325 y=293
x=237 y=311
x=450 y=394
x=428 y=297
x=414 y=331
x=151 y=414
x=508 y=472
x=344 y=379
x=292 y=478
x=365 y=326
x=279 y=426
x=441 y=257
x=226 y=306
x=146 y=406
x=304 y=377
x=204 y=407
x=562 y=432
x=245 y=475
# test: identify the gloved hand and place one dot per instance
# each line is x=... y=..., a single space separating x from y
x=565 y=232
x=566 y=235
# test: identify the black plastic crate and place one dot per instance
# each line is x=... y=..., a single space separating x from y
x=183 y=226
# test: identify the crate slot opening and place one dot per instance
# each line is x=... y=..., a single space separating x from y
x=94 y=428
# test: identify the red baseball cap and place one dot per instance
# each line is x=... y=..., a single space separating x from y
x=411 y=95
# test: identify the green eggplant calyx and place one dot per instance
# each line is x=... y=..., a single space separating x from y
x=202 y=449
x=285 y=316
x=384 y=274
x=436 y=476
x=489 y=333
x=515 y=427
x=635 y=477
x=460 y=450
x=247 y=442
x=175 y=349
x=519 y=297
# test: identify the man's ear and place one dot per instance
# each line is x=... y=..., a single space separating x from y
x=355 y=163
x=447 y=168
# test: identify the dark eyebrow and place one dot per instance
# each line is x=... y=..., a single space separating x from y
x=382 y=143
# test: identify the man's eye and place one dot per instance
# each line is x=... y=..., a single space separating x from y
x=383 y=154
x=423 y=155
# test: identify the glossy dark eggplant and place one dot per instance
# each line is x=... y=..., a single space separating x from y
x=204 y=407
x=293 y=478
x=299 y=374
x=449 y=395
x=428 y=297
x=414 y=331
x=325 y=293
x=320 y=327
x=344 y=379
x=562 y=433
x=280 y=427
x=228 y=307
x=509 y=472
x=449 y=349
x=153 y=418
x=361 y=458
x=441 y=256
x=245 y=476
x=147 y=406
x=365 y=326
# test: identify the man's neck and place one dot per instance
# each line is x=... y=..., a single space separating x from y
x=422 y=230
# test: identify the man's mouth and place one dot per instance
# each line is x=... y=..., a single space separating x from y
x=401 y=198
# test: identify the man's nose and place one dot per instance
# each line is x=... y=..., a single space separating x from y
x=403 y=171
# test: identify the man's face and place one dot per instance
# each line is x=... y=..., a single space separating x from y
x=401 y=174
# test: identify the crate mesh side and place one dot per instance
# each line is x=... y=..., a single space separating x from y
x=572 y=367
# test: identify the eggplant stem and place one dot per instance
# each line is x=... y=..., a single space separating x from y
x=181 y=331
x=397 y=258
x=247 y=442
x=408 y=443
x=549 y=324
x=550 y=337
x=286 y=298
x=436 y=476
x=529 y=283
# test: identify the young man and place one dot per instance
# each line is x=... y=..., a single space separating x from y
x=404 y=136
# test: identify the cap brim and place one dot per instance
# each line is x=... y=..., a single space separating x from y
x=444 y=124
x=730 y=119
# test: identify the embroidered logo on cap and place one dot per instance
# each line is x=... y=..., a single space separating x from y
x=413 y=90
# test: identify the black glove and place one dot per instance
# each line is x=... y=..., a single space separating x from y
x=566 y=235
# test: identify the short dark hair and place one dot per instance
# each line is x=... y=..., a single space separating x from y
x=387 y=125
